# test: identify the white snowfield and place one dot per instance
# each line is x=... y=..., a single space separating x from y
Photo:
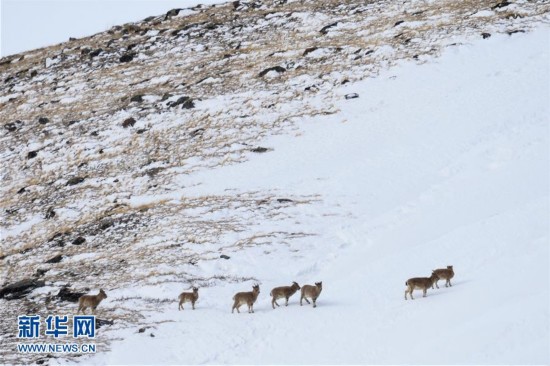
x=441 y=164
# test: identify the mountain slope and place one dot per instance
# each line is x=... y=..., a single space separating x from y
x=134 y=159
x=454 y=172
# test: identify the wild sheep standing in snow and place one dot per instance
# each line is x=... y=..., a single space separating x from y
x=445 y=274
x=421 y=283
x=191 y=297
x=312 y=292
x=90 y=301
x=283 y=291
x=248 y=298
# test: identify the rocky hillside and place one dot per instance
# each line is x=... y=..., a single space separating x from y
x=100 y=134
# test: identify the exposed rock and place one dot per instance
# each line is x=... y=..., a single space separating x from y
x=10 y=127
x=279 y=69
x=32 y=154
x=43 y=120
x=95 y=53
x=55 y=259
x=138 y=98
x=309 y=50
x=165 y=96
x=223 y=256
x=75 y=180
x=80 y=240
x=50 y=214
x=172 y=13
x=259 y=149
x=129 y=122
x=515 y=31
x=101 y=322
x=65 y=294
x=41 y=272
x=127 y=57
x=154 y=171
x=19 y=289
x=140 y=131
x=352 y=96
x=502 y=4
x=485 y=35
x=398 y=22
x=186 y=103
x=326 y=28
x=284 y=200
x=106 y=224
x=22 y=190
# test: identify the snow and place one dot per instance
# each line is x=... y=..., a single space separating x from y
x=439 y=164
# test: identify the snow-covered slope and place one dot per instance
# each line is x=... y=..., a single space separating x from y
x=138 y=159
x=445 y=163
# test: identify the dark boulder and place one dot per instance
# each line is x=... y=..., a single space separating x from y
x=101 y=322
x=186 y=103
x=65 y=294
x=95 y=53
x=80 y=240
x=127 y=57
x=138 y=98
x=19 y=289
x=50 y=214
x=352 y=96
x=43 y=120
x=284 y=200
x=259 y=149
x=129 y=122
x=502 y=4
x=326 y=28
x=32 y=154
x=309 y=50
x=75 y=180
x=10 y=127
x=55 y=259
x=279 y=69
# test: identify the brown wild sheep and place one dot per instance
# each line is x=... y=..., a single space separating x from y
x=283 y=291
x=445 y=274
x=191 y=297
x=312 y=292
x=248 y=298
x=90 y=301
x=421 y=283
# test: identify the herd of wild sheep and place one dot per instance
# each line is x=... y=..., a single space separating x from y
x=308 y=291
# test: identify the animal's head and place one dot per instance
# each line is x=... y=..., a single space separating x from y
x=102 y=293
x=256 y=288
x=319 y=285
x=195 y=290
x=295 y=286
x=434 y=276
x=450 y=267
